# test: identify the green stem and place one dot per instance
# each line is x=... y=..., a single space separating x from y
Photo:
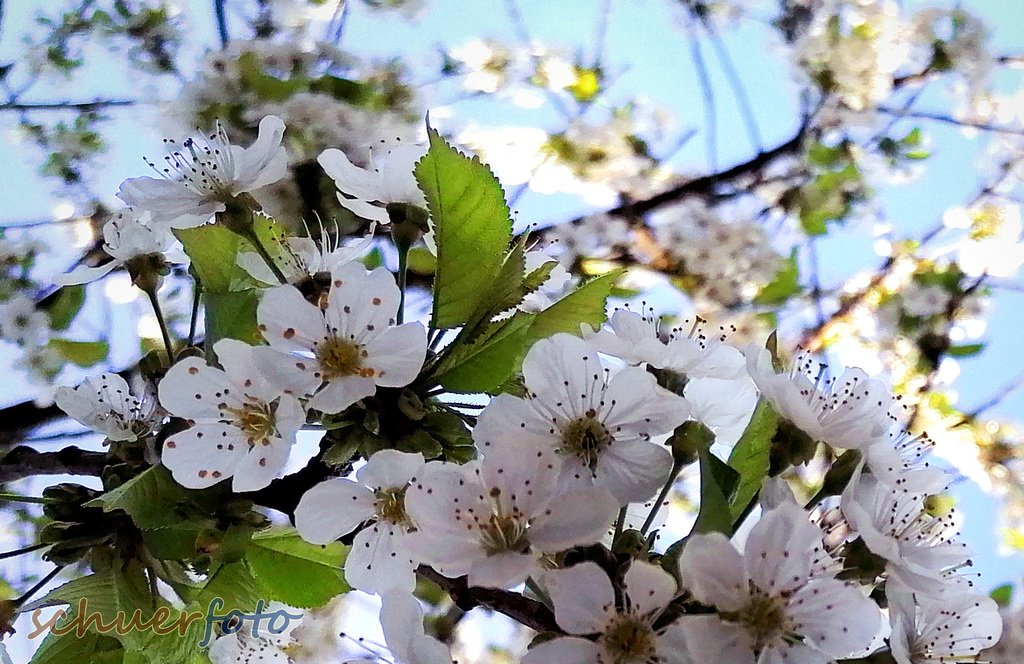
x=197 y=292
x=403 y=270
x=676 y=467
x=17 y=498
x=18 y=552
x=168 y=346
x=620 y=523
x=265 y=255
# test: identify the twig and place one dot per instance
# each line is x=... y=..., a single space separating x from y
x=736 y=84
x=67 y=105
x=708 y=98
x=23 y=461
x=222 y=23
x=939 y=117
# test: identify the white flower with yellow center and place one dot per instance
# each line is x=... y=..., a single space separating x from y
x=601 y=427
x=770 y=607
x=240 y=425
x=379 y=559
x=342 y=353
x=494 y=519
x=199 y=180
x=584 y=602
x=105 y=404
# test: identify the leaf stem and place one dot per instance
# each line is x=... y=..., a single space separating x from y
x=620 y=523
x=158 y=312
x=403 y=270
x=42 y=582
x=16 y=498
x=18 y=552
x=197 y=293
x=265 y=255
x=676 y=467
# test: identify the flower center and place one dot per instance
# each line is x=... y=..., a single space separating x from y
x=586 y=437
x=504 y=533
x=257 y=420
x=339 y=358
x=764 y=617
x=390 y=505
x=628 y=640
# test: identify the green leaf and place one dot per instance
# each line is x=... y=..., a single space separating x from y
x=1003 y=594
x=717 y=483
x=586 y=305
x=232 y=316
x=486 y=363
x=235 y=585
x=150 y=498
x=265 y=86
x=421 y=261
x=296 y=572
x=212 y=249
x=354 y=92
x=472 y=227
x=92 y=647
x=81 y=353
x=784 y=286
x=966 y=350
x=65 y=306
x=750 y=456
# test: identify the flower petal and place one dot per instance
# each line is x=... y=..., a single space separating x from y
x=583 y=597
x=331 y=509
x=379 y=560
x=203 y=455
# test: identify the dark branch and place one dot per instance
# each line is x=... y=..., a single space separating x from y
x=93 y=105
x=24 y=461
x=222 y=22
x=522 y=609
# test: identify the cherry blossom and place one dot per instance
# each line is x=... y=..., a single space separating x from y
x=105 y=404
x=22 y=322
x=770 y=607
x=341 y=353
x=388 y=179
x=241 y=646
x=584 y=602
x=954 y=629
x=851 y=411
x=493 y=519
x=600 y=426
x=915 y=534
x=379 y=558
x=240 y=425
x=899 y=460
x=300 y=258
x=126 y=236
x=197 y=182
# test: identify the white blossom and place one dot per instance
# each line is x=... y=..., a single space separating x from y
x=126 y=235
x=198 y=182
x=22 y=322
x=850 y=411
x=105 y=404
x=379 y=558
x=899 y=460
x=241 y=647
x=770 y=607
x=917 y=536
x=240 y=425
x=401 y=618
x=341 y=353
x=388 y=179
x=300 y=258
x=600 y=426
x=584 y=603
x=956 y=628
x=493 y=519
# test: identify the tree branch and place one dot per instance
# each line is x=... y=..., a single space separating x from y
x=522 y=609
x=93 y=105
x=24 y=461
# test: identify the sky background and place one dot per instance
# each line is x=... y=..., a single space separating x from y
x=646 y=51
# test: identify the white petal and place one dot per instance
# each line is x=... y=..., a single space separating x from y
x=261 y=465
x=331 y=509
x=574 y=519
x=380 y=560
x=446 y=552
x=252 y=161
x=565 y=369
x=203 y=455
x=780 y=549
x=390 y=469
x=712 y=570
x=508 y=418
x=837 y=619
x=708 y=639
x=583 y=597
x=192 y=389
x=565 y=650
x=339 y=394
x=649 y=587
x=288 y=322
x=502 y=570
x=349 y=178
x=401 y=619
x=634 y=470
x=362 y=304
x=397 y=354
x=636 y=408
x=84 y=274
x=291 y=374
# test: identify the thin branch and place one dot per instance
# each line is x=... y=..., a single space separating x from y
x=997 y=398
x=707 y=96
x=222 y=23
x=23 y=461
x=93 y=105
x=736 y=84
x=522 y=609
x=939 y=117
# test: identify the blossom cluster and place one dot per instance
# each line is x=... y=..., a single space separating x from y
x=600 y=426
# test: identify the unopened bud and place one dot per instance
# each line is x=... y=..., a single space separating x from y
x=688 y=440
